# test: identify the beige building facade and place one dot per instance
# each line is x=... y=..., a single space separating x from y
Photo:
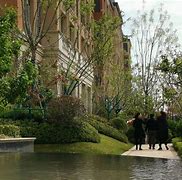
x=67 y=46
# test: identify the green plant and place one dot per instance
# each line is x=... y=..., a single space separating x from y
x=22 y=114
x=10 y=130
x=172 y=127
x=64 y=108
x=130 y=134
x=119 y=124
x=179 y=129
x=177 y=144
x=55 y=133
x=105 y=128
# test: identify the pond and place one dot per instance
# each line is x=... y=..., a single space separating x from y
x=57 y=166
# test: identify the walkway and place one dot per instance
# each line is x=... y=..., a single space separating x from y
x=146 y=152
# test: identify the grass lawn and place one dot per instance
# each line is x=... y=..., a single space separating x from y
x=106 y=146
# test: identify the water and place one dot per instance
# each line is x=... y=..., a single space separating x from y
x=57 y=166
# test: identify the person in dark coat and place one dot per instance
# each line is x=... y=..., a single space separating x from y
x=151 y=130
x=162 y=130
x=139 y=133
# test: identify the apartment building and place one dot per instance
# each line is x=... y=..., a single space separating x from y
x=121 y=49
x=65 y=48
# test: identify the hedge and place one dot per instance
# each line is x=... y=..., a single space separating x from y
x=104 y=127
x=177 y=144
x=9 y=130
x=53 y=133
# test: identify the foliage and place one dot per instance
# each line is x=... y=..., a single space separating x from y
x=9 y=49
x=177 y=144
x=171 y=68
x=65 y=108
x=22 y=113
x=153 y=35
x=179 y=129
x=175 y=128
x=119 y=124
x=130 y=134
x=15 y=79
x=46 y=133
x=20 y=84
x=10 y=130
x=105 y=128
x=105 y=30
x=10 y=45
x=106 y=146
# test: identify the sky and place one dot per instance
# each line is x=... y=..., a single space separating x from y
x=173 y=7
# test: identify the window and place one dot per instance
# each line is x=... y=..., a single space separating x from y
x=63 y=24
x=97 y=6
x=125 y=46
x=72 y=34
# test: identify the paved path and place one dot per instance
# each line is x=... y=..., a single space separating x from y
x=146 y=152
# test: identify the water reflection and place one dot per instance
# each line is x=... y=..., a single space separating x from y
x=49 y=166
x=151 y=169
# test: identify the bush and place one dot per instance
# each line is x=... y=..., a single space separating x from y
x=64 y=108
x=130 y=134
x=101 y=125
x=23 y=113
x=177 y=144
x=54 y=133
x=179 y=129
x=172 y=127
x=119 y=124
x=10 y=130
x=175 y=140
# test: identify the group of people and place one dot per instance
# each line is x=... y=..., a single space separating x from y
x=156 y=130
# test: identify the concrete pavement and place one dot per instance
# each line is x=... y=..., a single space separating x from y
x=146 y=152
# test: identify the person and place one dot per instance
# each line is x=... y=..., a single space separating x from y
x=162 y=130
x=151 y=128
x=139 y=133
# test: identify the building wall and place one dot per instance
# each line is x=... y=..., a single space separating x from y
x=55 y=50
x=72 y=39
x=115 y=65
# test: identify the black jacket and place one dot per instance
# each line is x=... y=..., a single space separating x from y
x=151 y=125
x=138 y=125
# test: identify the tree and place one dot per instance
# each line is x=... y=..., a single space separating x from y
x=9 y=50
x=38 y=20
x=171 y=68
x=153 y=35
x=105 y=33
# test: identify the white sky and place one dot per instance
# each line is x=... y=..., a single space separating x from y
x=173 y=7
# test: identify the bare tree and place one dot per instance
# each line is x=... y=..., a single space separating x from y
x=153 y=35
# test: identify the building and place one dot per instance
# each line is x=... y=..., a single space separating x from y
x=63 y=53
x=65 y=46
x=116 y=67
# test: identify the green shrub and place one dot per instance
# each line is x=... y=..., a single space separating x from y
x=172 y=127
x=97 y=118
x=64 y=108
x=177 y=144
x=55 y=133
x=64 y=133
x=101 y=125
x=179 y=128
x=119 y=124
x=130 y=134
x=23 y=113
x=10 y=130
x=175 y=140
x=179 y=148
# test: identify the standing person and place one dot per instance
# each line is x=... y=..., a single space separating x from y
x=162 y=130
x=151 y=129
x=139 y=132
